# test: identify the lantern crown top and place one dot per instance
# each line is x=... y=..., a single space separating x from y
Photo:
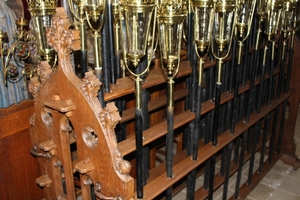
x=171 y=9
x=225 y=5
x=42 y=7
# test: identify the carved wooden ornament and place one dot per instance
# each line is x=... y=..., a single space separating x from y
x=72 y=106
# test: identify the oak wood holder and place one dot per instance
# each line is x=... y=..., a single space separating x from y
x=67 y=114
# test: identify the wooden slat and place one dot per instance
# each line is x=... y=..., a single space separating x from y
x=201 y=193
x=129 y=114
x=162 y=182
x=245 y=189
x=225 y=96
x=127 y=146
x=125 y=86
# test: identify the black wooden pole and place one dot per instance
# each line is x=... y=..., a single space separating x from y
x=241 y=163
x=286 y=89
x=227 y=170
x=256 y=134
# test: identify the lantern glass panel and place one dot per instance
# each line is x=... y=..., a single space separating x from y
x=244 y=12
x=202 y=26
x=272 y=27
x=137 y=29
x=296 y=18
x=223 y=26
x=286 y=21
x=170 y=41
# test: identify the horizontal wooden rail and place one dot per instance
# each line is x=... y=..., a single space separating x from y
x=201 y=193
x=125 y=86
x=127 y=146
x=256 y=177
x=161 y=129
x=159 y=102
x=180 y=170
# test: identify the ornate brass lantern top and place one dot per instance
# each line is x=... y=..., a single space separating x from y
x=137 y=15
x=225 y=5
x=42 y=7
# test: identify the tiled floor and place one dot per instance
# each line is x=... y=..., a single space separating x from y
x=282 y=182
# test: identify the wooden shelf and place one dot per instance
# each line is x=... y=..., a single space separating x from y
x=181 y=169
x=127 y=146
x=125 y=86
x=159 y=102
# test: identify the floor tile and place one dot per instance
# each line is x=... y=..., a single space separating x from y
x=180 y=196
x=261 y=192
x=282 y=167
x=290 y=185
x=294 y=173
x=282 y=195
x=218 y=194
x=273 y=178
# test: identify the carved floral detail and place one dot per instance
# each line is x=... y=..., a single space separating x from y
x=60 y=38
x=44 y=70
x=34 y=86
x=90 y=87
x=109 y=118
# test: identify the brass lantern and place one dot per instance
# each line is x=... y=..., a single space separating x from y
x=244 y=19
x=135 y=20
x=224 y=21
x=170 y=28
x=137 y=15
x=95 y=12
x=273 y=11
x=170 y=18
x=296 y=15
x=203 y=23
x=42 y=12
x=245 y=12
x=286 y=19
x=223 y=31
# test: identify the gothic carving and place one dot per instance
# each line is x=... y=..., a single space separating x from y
x=61 y=39
x=34 y=86
x=109 y=118
x=66 y=104
x=123 y=166
x=90 y=87
x=44 y=70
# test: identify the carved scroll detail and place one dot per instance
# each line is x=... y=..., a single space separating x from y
x=123 y=166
